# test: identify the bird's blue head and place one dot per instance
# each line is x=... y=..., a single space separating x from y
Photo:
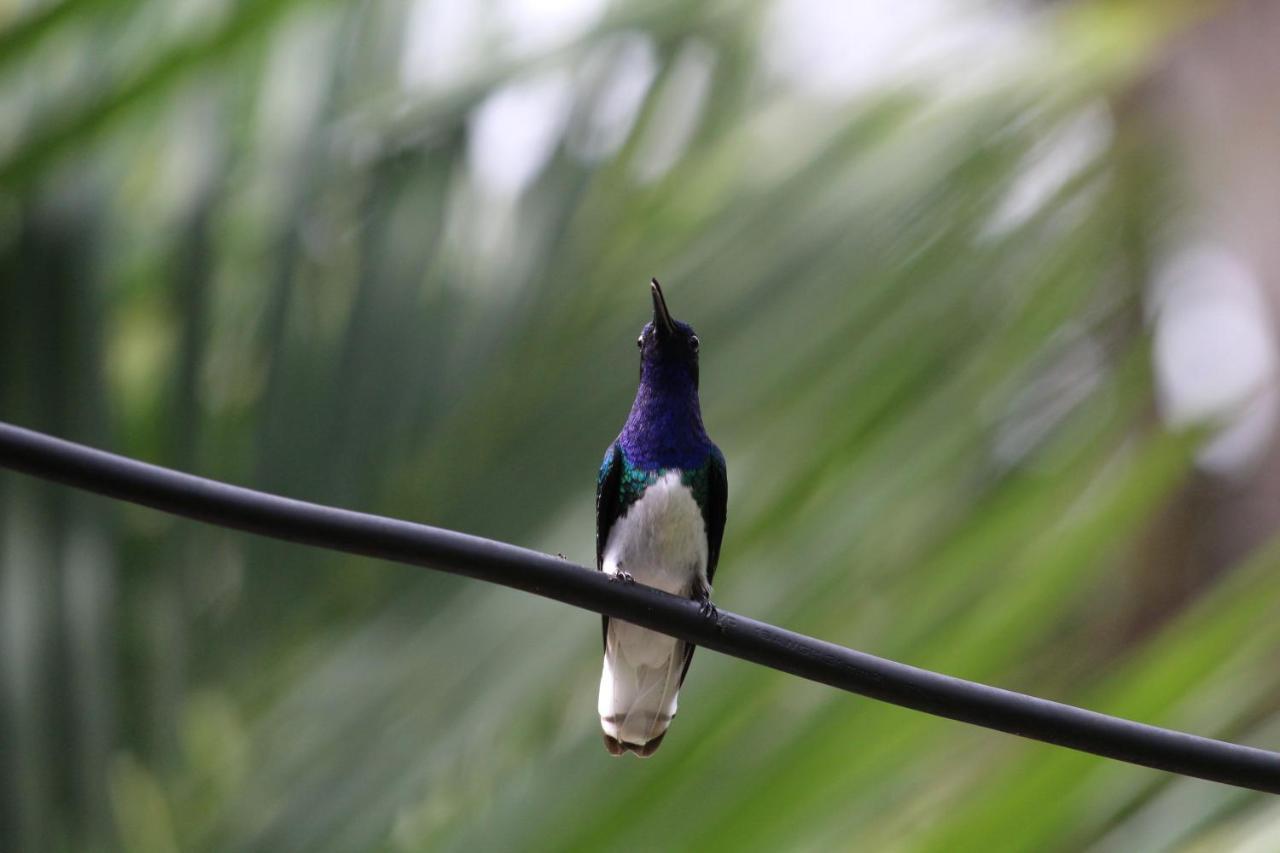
x=668 y=348
x=664 y=429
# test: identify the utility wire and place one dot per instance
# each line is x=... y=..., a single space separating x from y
x=496 y=562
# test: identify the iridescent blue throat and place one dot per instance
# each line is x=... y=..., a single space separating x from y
x=664 y=429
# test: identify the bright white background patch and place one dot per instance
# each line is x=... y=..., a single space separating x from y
x=1215 y=353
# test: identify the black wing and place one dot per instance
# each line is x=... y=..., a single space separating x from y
x=714 y=515
x=717 y=508
x=608 y=498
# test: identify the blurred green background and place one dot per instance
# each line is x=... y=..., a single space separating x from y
x=970 y=278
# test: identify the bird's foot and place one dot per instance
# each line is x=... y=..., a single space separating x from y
x=622 y=577
x=708 y=610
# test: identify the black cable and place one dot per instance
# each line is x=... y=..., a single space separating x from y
x=401 y=541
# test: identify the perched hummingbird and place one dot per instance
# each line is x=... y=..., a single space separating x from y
x=660 y=511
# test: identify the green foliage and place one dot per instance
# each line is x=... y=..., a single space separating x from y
x=242 y=248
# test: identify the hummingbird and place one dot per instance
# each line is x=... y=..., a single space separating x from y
x=660 y=511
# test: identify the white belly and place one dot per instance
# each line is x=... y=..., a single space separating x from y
x=661 y=540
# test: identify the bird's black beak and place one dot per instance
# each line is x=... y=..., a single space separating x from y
x=662 y=321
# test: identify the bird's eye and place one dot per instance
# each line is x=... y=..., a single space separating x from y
x=693 y=343
x=640 y=341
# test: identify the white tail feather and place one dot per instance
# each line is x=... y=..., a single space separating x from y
x=640 y=683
